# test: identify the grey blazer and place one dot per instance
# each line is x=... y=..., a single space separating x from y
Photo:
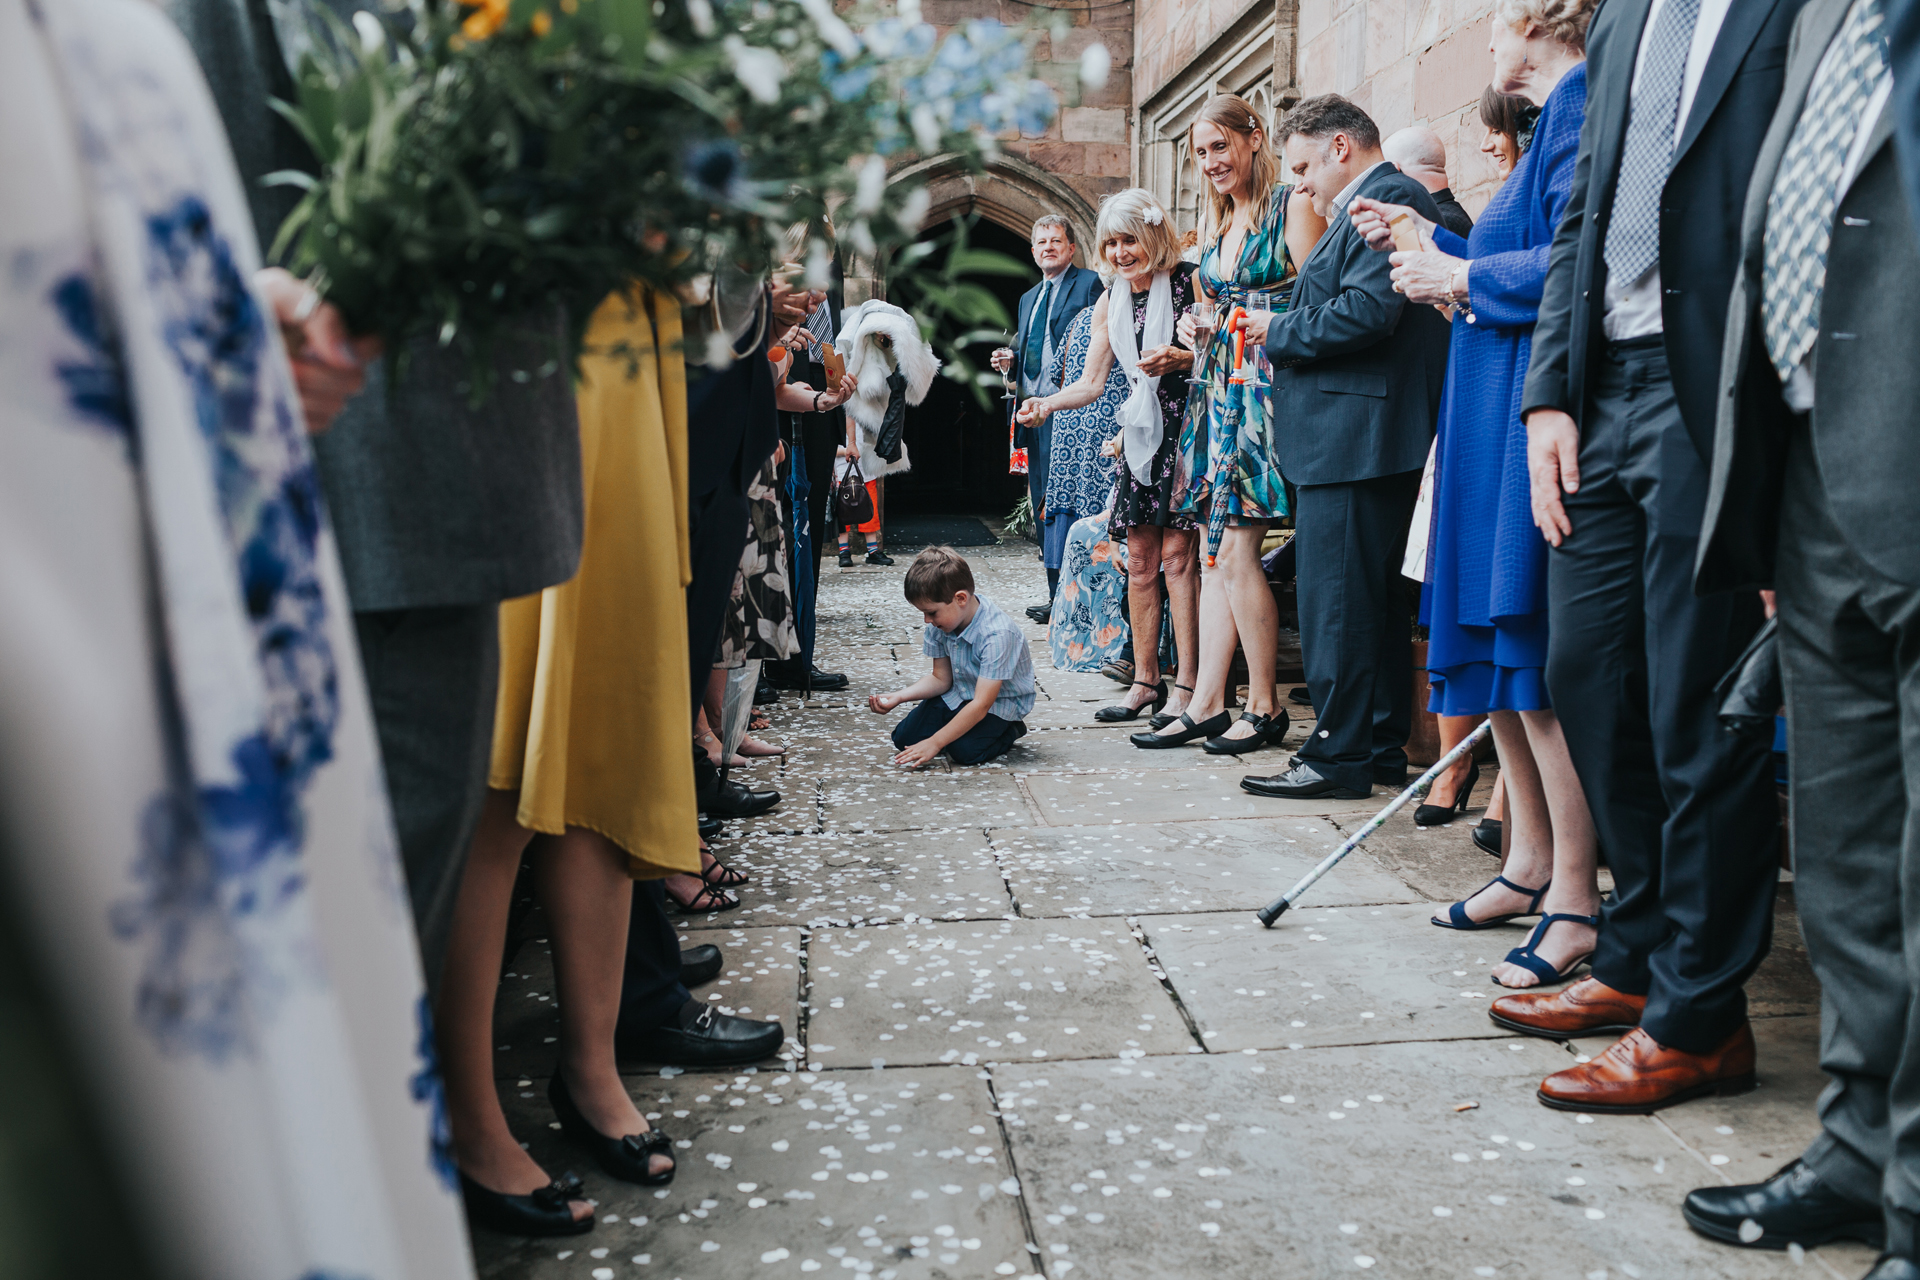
x=1866 y=379
x=432 y=503
x=1357 y=373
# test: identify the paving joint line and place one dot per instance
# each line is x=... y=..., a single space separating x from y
x=1159 y=971
x=1013 y=1164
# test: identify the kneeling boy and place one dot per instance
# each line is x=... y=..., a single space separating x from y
x=974 y=704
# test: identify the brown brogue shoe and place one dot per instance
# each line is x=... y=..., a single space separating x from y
x=1638 y=1074
x=1586 y=1007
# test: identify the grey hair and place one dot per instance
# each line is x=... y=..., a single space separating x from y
x=1046 y=220
x=1561 y=21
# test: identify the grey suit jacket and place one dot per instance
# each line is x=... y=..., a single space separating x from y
x=1357 y=373
x=432 y=503
x=1866 y=379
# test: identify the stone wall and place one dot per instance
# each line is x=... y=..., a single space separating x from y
x=1408 y=62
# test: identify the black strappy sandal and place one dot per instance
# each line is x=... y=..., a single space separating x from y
x=1162 y=720
x=630 y=1158
x=715 y=899
x=1121 y=712
x=726 y=877
x=545 y=1212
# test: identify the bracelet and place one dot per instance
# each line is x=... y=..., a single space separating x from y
x=1457 y=291
x=816 y=402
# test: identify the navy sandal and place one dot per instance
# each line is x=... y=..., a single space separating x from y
x=1528 y=958
x=1457 y=917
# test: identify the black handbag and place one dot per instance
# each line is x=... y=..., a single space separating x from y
x=852 y=504
x=887 y=443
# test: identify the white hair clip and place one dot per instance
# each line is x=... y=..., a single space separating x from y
x=1152 y=215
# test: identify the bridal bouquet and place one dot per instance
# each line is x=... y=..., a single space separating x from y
x=482 y=159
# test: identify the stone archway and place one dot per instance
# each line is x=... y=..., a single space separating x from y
x=1011 y=191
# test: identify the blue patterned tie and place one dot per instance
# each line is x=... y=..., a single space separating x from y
x=1807 y=188
x=1030 y=370
x=1633 y=230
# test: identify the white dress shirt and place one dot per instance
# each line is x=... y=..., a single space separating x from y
x=1633 y=306
x=1348 y=192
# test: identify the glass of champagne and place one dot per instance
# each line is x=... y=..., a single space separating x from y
x=1205 y=319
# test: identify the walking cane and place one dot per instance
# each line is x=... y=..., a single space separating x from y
x=1418 y=791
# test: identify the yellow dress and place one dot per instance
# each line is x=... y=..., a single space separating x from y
x=593 y=673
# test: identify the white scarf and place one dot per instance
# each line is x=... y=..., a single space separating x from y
x=1141 y=425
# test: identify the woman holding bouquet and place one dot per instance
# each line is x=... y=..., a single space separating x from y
x=1261 y=232
x=1133 y=327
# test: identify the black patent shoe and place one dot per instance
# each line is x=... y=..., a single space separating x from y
x=1120 y=711
x=1486 y=836
x=1166 y=718
x=700 y=964
x=702 y=1036
x=544 y=1213
x=1267 y=730
x=1188 y=732
x=1439 y=815
x=629 y=1159
x=737 y=800
x=1300 y=782
x=1792 y=1207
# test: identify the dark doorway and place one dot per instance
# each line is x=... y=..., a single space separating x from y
x=959 y=449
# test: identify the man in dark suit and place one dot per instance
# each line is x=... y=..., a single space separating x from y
x=1421 y=155
x=1619 y=403
x=1814 y=466
x=1356 y=386
x=1045 y=312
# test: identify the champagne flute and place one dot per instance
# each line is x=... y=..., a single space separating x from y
x=1205 y=317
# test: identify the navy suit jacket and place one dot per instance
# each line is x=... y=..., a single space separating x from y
x=1356 y=371
x=1079 y=289
x=1701 y=207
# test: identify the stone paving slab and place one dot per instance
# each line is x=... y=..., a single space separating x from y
x=979 y=992
x=843 y=745
x=1335 y=1162
x=1063 y=714
x=900 y=1172
x=1182 y=867
x=1199 y=793
x=841 y=877
x=901 y=801
x=1316 y=976
x=761 y=980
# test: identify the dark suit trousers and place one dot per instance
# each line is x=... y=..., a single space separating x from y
x=1356 y=631
x=432 y=676
x=717 y=534
x=1850 y=658
x=650 y=991
x=821 y=433
x=1685 y=811
x=1039 y=461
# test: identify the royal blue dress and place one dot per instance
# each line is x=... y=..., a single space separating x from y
x=1485 y=602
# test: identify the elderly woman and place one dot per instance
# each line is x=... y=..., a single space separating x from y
x=1486 y=568
x=1133 y=328
x=1261 y=232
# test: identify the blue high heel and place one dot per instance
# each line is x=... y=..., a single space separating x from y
x=1457 y=917
x=1528 y=958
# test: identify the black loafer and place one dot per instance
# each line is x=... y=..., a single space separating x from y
x=1040 y=613
x=630 y=1158
x=543 y=1213
x=1300 y=782
x=1792 y=1207
x=1267 y=730
x=1212 y=726
x=737 y=800
x=705 y=1037
x=700 y=964
x=793 y=678
x=764 y=694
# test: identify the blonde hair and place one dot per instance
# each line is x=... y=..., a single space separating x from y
x=1231 y=112
x=1138 y=213
x=1561 y=21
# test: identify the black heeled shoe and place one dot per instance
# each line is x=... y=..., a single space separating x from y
x=1212 y=726
x=1434 y=815
x=1121 y=711
x=1486 y=836
x=628 y=1159
x=544 y=1213
x=1162 y=720
x=1267 y=730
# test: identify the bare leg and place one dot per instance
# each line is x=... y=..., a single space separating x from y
x=1180 y=563
x=583 y=884
x=1217 y=640
x=1255 y=617
x=1576 y=889
x=483 y=1145
x=1531 y=861
x=1446 y=787
x=1145 y=546
x=1497 y=803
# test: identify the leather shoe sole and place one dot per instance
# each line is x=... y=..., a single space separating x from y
x=1603 y=1029
x=1728 y=1087
x=678 y=1048
x=1872 y=1232
x=1274 y=790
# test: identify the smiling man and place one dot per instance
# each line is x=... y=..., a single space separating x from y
x=1356 y=387
x=1045 y=312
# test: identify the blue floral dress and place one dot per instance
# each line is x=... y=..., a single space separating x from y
x=1089 y=627
x=1080 y=478
x=1209 y=443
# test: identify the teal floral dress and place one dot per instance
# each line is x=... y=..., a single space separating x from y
x=1211 y=451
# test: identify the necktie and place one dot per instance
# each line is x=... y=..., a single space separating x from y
x=1031 y=369
x=1807 y=188
x=1633 y=231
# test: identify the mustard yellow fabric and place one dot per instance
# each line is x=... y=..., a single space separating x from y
x=593 y=673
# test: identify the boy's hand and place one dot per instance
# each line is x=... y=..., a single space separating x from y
x=881 y=703
x=918 y=756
